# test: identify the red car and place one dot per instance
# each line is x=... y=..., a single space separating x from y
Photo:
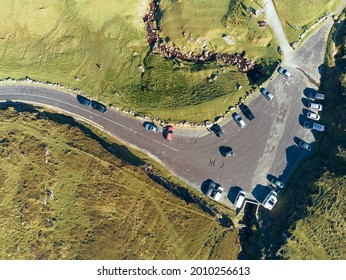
x=169 y=132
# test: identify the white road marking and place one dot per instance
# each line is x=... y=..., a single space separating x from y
x=166 y=145
x=89 y=112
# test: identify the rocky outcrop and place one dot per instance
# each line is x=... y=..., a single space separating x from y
x=171 y=51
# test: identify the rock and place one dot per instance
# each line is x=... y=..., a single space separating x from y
x=219 y=119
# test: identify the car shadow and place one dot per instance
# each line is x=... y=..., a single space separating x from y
x=302 y=119
x=260 y=192
x=205 y=185
x=232 y=194
x=307 y=91
x=305 y=101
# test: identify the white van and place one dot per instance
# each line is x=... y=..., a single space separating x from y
x=239 y=199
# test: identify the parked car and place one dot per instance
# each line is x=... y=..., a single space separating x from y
x=304 y=145
x=98 y=106
x=238 y=202
x=227 y=151
x=316 y=106
x=214 y=190
x=313 y=116
x=267 y=94
x=169 y=133
x=239 y=120
x=217 y=130
x=83 y=100
x=316 y=95
x=151 y=127
x=284 y=72
x=247 y=113
x=270 y=200
x=277 y=183
x=314 y=126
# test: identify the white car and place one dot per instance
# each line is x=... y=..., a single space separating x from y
x=151 y=127
x=214 y=191
x=239 y=120
x=270 y=200
x=267 y=94
x=316 y=106
x=313 y=116
x=284 y=72
x=238 y=202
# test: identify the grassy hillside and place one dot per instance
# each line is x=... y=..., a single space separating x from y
x=308 y=222
x=302 y=14
x=68 y=193
x=189 y=23
x=101 y=48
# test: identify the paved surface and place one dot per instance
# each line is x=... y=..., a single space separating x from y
x=274 y=21
x=266 y=146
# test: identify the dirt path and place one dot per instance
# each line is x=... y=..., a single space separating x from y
x=274 y=21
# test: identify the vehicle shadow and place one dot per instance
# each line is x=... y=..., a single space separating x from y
x=301 y=119
x=260 y=192
x=305 y=101
x=307 y=91
x=294 y=155
x=232 y=194
x=120 y=151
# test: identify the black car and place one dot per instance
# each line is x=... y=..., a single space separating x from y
x=247 y=113
x=217 y=130
x=83 y=100
x=226 y=151
x=98 y=106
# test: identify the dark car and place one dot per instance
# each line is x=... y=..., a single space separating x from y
x=247 y=113
x=217 y=130
x=98 y=106
x=83 y=100
x=169 y=133
x=226 y=151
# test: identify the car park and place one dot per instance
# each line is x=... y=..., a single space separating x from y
x=270 y=200
x=227 y=151
x=277 y=183
x=313 y=116
x=238 y=202
x=304 y=145
x=239 y=120
x=314 y=126
x=214 y=190
x=267 y=94
x=217 y=130
x=83 y=100
x=98 y=106
x=151 y=127
x=168 y=134
x=246 y=111
x=284 y=72
x=315 y=106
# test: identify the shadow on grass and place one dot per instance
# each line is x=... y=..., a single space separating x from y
x=120 y=151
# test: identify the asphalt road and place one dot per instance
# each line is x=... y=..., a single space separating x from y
x=266 y=146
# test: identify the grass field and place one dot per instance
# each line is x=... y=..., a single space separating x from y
x=189 y=23
x=67 y=193
x=98 y=48
x=308 y=221
x=302 y=14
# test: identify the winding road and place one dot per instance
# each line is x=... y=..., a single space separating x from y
x=267 y=145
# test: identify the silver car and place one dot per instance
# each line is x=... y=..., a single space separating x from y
x=316 y=106
x=267 y=94
x=239 y=120
x=151 y=127
x=304 y=145
x=284 y=72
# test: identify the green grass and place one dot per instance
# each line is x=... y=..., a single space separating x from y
x=188 y=23
x=302 y=14
x=98 y=48
x=64 y=196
